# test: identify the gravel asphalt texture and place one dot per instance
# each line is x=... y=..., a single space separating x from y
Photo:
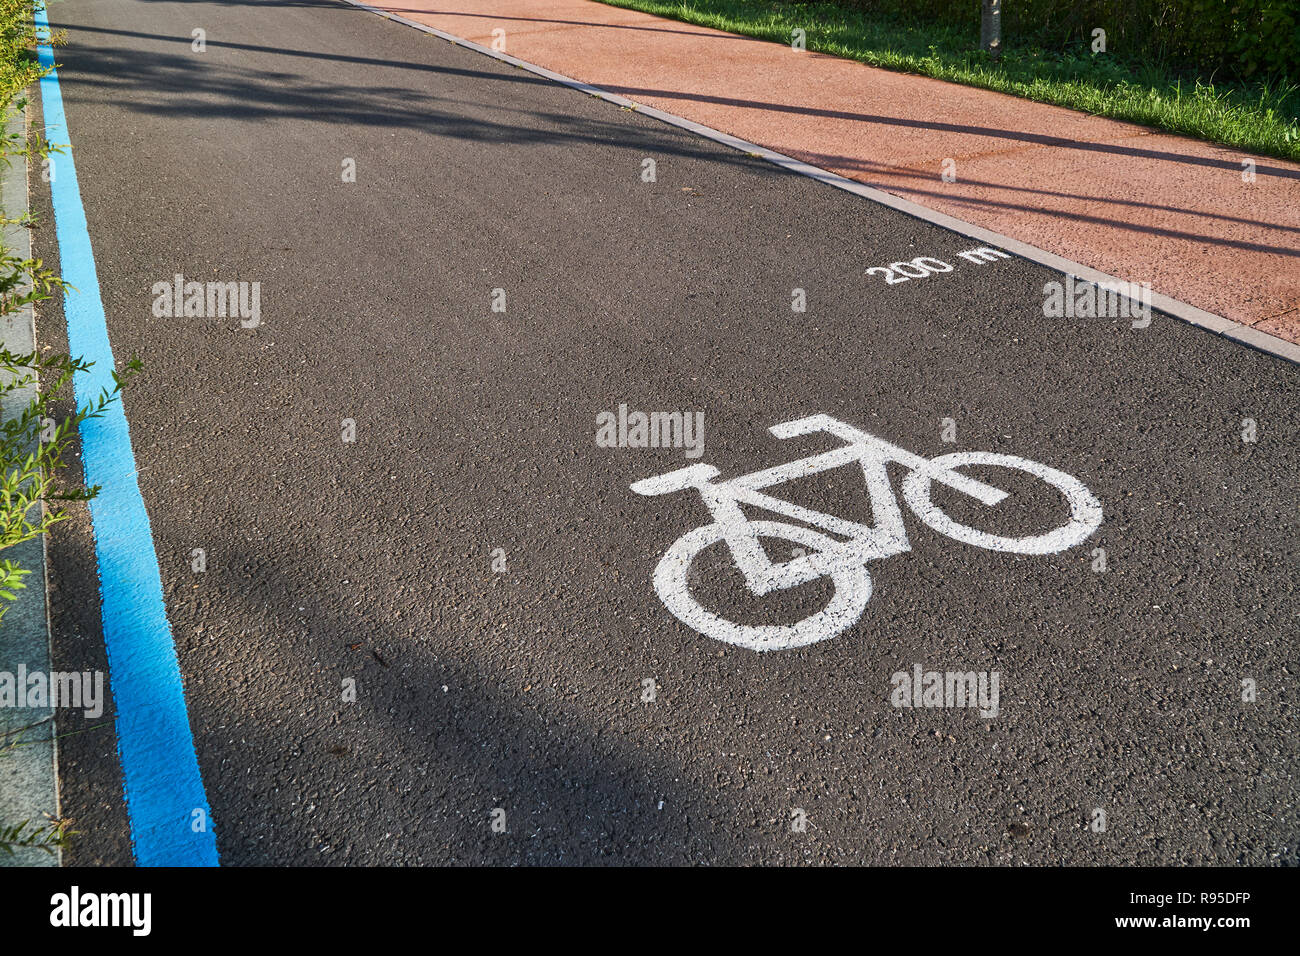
x=521 y=688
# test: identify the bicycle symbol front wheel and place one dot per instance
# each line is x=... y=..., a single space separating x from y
x=672 y=582
x=1085 y=509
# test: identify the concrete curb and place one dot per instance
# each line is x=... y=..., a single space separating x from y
x=1243 y=334
x=29 y=780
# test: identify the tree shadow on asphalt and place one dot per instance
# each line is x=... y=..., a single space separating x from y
x=343 y=4
x=410 y=773
x=122 y=66
x=928 y=177
x=189 y=86
x=888 y=176
x=1038 y=139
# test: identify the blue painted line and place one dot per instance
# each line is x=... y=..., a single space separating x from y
x=165 y=800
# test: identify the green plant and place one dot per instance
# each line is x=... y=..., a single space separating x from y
x=1221 y=38
x=50 y=836
x=18 y=65
x=32 y=445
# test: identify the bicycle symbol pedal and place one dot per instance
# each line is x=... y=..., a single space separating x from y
x=824 y=554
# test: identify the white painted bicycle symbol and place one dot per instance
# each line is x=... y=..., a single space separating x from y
x=844 y=562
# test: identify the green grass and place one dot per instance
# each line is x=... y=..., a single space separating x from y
x=1260 y=117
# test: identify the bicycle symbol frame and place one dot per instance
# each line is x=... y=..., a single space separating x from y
x=844 y=562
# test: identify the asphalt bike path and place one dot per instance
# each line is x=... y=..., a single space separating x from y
x=432 y=620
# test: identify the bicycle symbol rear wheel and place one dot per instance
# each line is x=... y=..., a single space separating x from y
x=672 y=582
